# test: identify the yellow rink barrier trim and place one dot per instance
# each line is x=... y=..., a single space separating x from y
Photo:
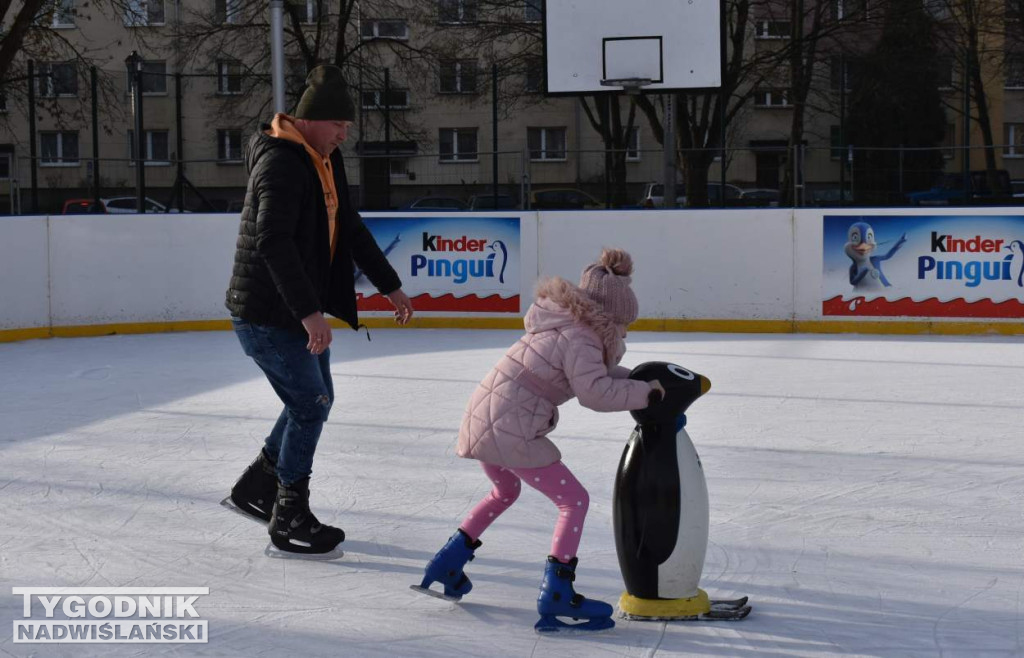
x=690 y=607
x=904 y=327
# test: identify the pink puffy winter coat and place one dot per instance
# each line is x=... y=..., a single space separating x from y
x=570 y=349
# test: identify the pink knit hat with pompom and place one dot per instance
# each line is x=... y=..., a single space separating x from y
x=607 y=283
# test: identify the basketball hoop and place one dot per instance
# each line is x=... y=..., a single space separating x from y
x=631 y=86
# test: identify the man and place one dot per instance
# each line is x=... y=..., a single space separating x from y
x=294 y=260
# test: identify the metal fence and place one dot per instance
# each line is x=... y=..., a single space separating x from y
x=571 y=179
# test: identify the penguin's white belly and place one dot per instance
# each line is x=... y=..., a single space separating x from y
x=679 y=575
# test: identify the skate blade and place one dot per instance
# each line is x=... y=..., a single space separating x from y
x=435 y=594
x=552 y=625
x=715 y=614
x=230 y=504
x=277 y=553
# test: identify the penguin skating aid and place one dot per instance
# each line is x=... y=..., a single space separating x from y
x=661 y=511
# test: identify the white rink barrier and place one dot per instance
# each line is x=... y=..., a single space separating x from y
x=702 y=270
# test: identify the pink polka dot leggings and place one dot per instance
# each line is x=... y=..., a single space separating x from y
x=556 y=482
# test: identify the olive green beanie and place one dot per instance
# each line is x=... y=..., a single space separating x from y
x=326 y=96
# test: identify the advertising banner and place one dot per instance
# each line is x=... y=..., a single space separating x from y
x=944 y=266
x=455 y=264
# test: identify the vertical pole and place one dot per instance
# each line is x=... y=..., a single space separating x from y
x=33 y=174
x=179 y=181
x=965 y=160
x=140 y=140
x=93 y=84
x=901 y=171
x=494 y=131
x=842 y=130
x=669 y=152
x=721 y=137
x=608 y=151
x=387 y=135
x=277 y=52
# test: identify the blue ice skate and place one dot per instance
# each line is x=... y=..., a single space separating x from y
x=446 y=568
x=558 y=599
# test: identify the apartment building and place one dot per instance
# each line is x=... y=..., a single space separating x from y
x=430 y=132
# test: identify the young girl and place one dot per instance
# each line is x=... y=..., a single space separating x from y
x=573 y=343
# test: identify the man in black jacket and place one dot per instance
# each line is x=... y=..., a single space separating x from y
x=298 y=239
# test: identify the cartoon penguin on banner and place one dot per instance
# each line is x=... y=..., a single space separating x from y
x=660 y=508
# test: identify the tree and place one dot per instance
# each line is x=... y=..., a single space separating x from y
x=701 y=117
x=975 y=30
x=896 y=112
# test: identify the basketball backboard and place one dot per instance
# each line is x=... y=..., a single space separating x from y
x=676 y=44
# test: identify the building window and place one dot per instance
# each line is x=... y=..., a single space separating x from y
x=229 y=145
x=458 y=76
x=63 y=15
x=373 y=99
x=532 y=12
x=946 y=72
x=229 y=77
x=845 y=10
x=1014 y=71
x=771 y=98
x=546 y=143
x=3 y=103
x=154 y=78
x=1013 y=140
x=838 y=149
x=142 y=13
x=155 y=147
x=773 y=29
x=456 y=11
x=633 y=145
x=399 y=167
x=295 y=73
x=311 y=12
x=938 y=9
x=58 y=148
x=384 y=29
x=841 y=70
x=534 y=75
x=57 y=79
x=228 y=11
x=949 y=142
x=5 y=166
x=458 y=144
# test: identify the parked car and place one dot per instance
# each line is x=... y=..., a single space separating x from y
x=949 y=190
x=562 y=199
x=82 y=207
x=828 y=196
x=761 y=196
x=654 y=194
x=435 y=203
x=486 y=202
x=122 y=205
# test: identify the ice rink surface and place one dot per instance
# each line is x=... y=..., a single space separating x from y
x=866 y=493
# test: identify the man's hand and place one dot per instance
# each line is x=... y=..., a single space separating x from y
x=403 y=306
x=319 y=332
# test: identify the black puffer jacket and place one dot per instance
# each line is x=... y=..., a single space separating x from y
x=283 y=270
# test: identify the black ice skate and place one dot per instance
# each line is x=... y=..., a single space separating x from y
x=254 y=493
x=294 y=530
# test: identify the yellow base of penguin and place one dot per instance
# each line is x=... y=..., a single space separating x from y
x=633 y=607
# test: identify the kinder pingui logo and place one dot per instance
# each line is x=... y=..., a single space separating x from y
x=971 y=271
x=471 y=258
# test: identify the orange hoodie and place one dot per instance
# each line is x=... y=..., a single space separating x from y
x=283 y=127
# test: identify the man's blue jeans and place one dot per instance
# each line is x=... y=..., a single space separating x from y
x=303 y=382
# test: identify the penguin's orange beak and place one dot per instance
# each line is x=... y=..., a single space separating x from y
x=705 y=384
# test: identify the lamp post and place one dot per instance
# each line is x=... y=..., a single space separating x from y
x=134 y=65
